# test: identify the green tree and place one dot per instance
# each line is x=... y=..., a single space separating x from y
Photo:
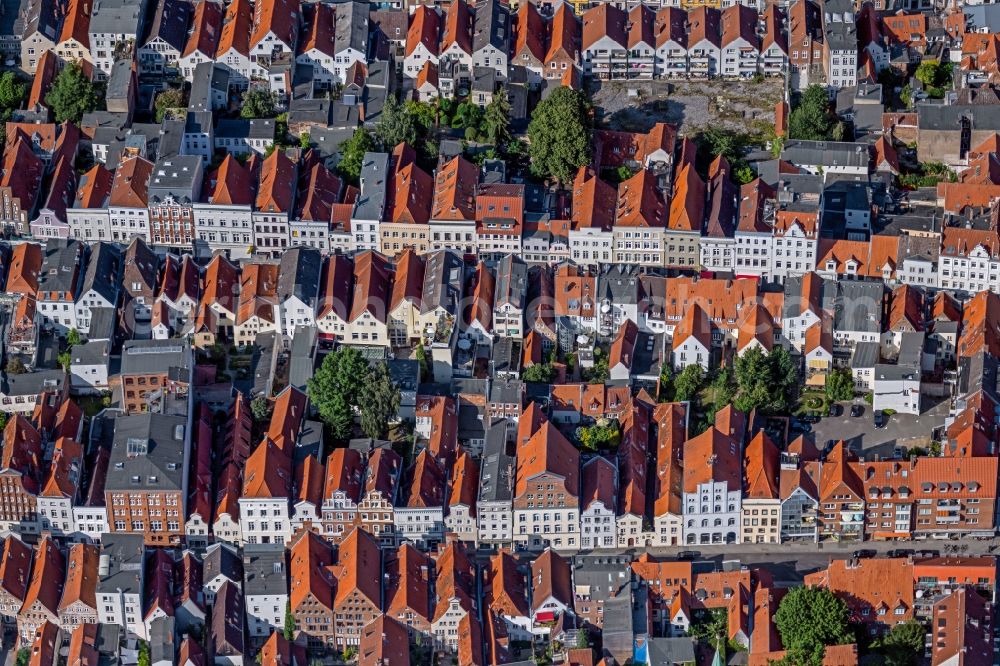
x=304 y=140
x=257 y=103
x=72 y=95
x=12 y=92
x=352 y=154
x=765 y=381
x=712 y=627
x=15 y=366
x=496 y=120
x=73 y=337
x=723 y=389
x=396 y=126
x=605 y=434
x=335 y=386
x=421 y=355
x=467 y=114
x=378 y=401
x=23 y=657
x=812 y=118
x=688 y=383
x=744 y=174
x=4 y=417
x=665 y=386
x=289 y=628
x=144 y=658
x=582 y=639
x=906 y=96
x=424 y=114
x=840 y=385
x=599 y=372
x=64 y=360
x=559 y=135
x=260 y=407
x=171 y=98
x=808 y=620
x=903 y=645
x=542 y=373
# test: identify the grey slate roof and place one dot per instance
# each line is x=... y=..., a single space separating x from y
x=512 y=282
x=60 y=259
x=208 y=76
x=265 y=571
x=140 y=357
x=827 y=153
x=496 y=474
x=228 y=623
x=351 y=26
x=95 y=352
x=147 y=453
x=170 y=23
x=491 y=26
x=299 y=274
x=121 y=562
x=374 y=179
x=858 y=306
x=32 y=383
x=102 y=323
x=115 y=17
x=936 y=116
x=866 y=355
x=221 y=559
x=103 y=273
x=442 y=281
x=176 y=177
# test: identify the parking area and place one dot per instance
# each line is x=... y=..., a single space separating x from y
x=865 y=439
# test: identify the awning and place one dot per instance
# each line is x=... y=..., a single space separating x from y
x=545 y=616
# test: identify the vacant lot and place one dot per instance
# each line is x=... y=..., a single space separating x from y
x=737 y=105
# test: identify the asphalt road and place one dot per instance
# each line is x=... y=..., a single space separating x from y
x=861 y=434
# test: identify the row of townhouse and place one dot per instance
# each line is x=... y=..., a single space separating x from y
x=705 y=42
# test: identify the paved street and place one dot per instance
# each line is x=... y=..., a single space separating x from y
x=861 y=434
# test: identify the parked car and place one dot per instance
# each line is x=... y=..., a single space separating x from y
x=880 y=419
x=688 y=555
x=864 y=554
x=809 y=418
x=899 y=552
x=857 y=410
x=836 y=410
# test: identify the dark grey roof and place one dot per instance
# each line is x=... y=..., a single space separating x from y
x=442 y=281
x=140 y=357
x=115 y=17
x=496 y=474
x=484 y=79
x=351 y=26
x=120 y=81
x=221 y=559
x=265 y=571
x=671 y=651
x=121 y=563
x=374 y=102
x=232 y=128
x=95 y=352
x=176 y=177
x=299 y=275
x=264 y=352
x=506 y=356
x=102 y=323
x=404 y=373
x=936 y=116
x=41 y=16
x=60 y=263
x=911 y=348
x=619 y=284
x=305 y=110
x=374 y=179
x=858 y=306
x=506 y=391
x=33 y=383
x=208 y=76
x=380 y=73
x=198 y=122
x=344 y=116
x=827 y=153
x=302 y=357
x=839 y=25
x=161 y=640
x=148 y=453
x=170 y=23
x=866 y=355
x=896 y=373
x=512 y=282
x=168 y=139
x=606 y=575
x=491 y=26
x=470 y=423
x=103 y=273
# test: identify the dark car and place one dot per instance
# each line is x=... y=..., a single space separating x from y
x=899 y=552
x=857 y=410
x=880 y=419
x=836 y=410
x=688 y=555
x=809 y=418
x=864 y=554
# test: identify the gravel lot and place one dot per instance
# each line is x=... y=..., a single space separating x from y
x=689 y=104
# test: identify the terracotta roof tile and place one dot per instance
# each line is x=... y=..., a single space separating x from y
x=425 y=28
x=457 y=27
x=277 y=182
x=277 y=17
x=25 y=263
x=564 y=35
x=130 y=188
x=640 y=202
x=206 y=29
